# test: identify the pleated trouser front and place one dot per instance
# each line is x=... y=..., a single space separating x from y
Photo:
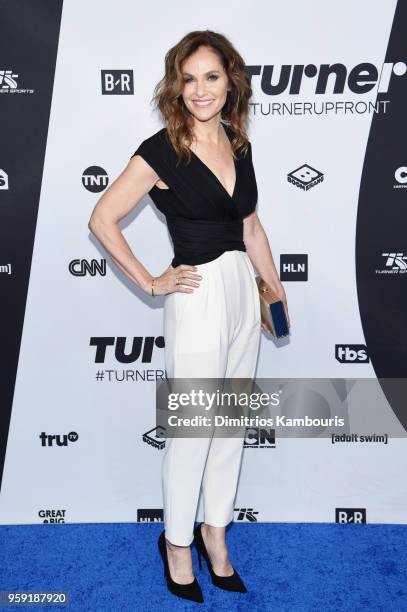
x=213 y=332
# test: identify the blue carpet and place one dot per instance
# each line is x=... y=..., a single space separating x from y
x=291 y=567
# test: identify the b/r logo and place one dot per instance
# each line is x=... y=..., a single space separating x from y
x=117 y=82
x=350 y=515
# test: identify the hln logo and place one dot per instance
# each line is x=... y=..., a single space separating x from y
x=117 y=82
x=294 y=267
x=150 y=515
x=81 y=267
x=350 y=515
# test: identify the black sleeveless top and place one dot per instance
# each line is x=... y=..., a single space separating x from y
x=203 y=219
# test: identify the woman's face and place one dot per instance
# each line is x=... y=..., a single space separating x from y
x=205 y=84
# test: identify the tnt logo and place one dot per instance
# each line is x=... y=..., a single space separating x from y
x=258 y=437
x=155 y=437
x=305 y=177
x=350 y=515
x=81 y=267
x=294 y=267
x=246 y=514
x=351 y=353
x=117 y=82
x=150 y=515
x=58 y=440
x=95 y=179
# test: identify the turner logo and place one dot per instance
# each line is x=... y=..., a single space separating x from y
x=294 y=267
x=95 y=179
x=401 y=177
x=117 y=82
x=52 y=516
x=3 y=179
x=325 y=78
x=155 y=437
x=351 y=353
x=141 y=346
x=246 y=514
x=81 y=267
x=305 y=177
x=58 y=439
x=258 y=437
x=350 y=515
x=396 y=263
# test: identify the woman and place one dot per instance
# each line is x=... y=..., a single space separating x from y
x=198 y=171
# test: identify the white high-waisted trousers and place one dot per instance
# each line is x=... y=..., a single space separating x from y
x=213 y=332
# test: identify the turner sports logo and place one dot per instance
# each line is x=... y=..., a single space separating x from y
x=325 y=78
x=58 y=439
x=126 y=352
x=9 y=85
x=396 y=263
x=246 y=514
x=350 y=515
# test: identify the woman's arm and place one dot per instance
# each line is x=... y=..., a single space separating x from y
x=117 y=201
x=258 y=249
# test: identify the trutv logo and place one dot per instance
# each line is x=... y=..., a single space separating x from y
x=58 y=439
x=350 y=515
x=292 y=78
x=351 y=353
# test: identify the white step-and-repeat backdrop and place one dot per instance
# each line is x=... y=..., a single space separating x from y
x=83 y=347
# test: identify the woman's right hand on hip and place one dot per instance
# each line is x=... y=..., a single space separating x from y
x=180 y=279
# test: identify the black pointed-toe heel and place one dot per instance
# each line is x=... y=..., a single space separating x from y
x=190 y=591
x=228 y=583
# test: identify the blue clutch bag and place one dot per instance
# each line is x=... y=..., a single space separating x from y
x=272 y=310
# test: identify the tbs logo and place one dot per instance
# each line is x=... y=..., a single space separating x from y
x=350 y=515
x=351 y=353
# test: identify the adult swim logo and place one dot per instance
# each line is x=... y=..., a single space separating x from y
x=395 y=263
x=117 y=82
x=95 y=179
x=305 y=177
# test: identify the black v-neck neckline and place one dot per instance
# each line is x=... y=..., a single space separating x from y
x=231 y=197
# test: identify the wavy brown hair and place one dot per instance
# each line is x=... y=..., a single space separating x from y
x=168 y=92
